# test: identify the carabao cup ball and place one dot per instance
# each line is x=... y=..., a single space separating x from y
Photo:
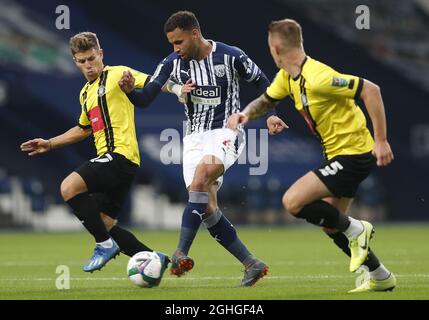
x=144 y=269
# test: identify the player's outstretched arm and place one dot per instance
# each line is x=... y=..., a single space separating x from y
x=139 y=97
x=255 y=109
x=371 y=96
x=181 y=91
x=39 y=145
x=259 y=107
x=275 y=125
x=127 y=82
x=236 y=119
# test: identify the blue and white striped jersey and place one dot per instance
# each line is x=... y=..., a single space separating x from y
x=217 y=92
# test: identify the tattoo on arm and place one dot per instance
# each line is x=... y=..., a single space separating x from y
x=259 y=107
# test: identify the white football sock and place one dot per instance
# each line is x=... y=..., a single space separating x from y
x=380 y=273
x=106 y=244
x=355 y=229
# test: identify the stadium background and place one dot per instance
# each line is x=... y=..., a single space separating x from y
x=39 y=87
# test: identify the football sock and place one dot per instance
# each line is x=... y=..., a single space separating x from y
x=106 y=244
x=321 y=213
x=85 y=208
x=342 y=242
x=354 y=230
x=223 y=231
x=371 y=261
x=249 y=261
x=191 y=219
x=128 y=243
x=380 y=273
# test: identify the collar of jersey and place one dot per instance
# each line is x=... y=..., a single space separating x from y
x=91 y=82
x=302 y=66
x=213 y=45
x=213 y=49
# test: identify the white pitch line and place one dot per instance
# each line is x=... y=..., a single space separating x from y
x=309 y=277
x=24 y=263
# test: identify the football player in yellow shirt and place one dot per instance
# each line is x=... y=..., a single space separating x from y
x=326 y=100
x=97 y=189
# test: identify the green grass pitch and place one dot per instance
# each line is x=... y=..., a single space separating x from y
x=304 y=264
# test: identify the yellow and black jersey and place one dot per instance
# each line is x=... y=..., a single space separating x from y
x=107 y=110
x=326 y=99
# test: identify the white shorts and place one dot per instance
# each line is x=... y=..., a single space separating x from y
x=223 y=143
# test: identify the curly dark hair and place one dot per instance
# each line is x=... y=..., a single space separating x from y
x=184 y=20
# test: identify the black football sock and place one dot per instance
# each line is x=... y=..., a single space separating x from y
x=371 y=261
x=342 y=242
x=128 y=243
x=225 y=234
x=85 y=208
x=321 y=213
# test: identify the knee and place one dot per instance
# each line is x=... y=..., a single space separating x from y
x=67 y=190
x=201 y=181
x=291 y=203
x=72 y=185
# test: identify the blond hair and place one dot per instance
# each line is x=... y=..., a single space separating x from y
x=288 y=31
x=83 y=41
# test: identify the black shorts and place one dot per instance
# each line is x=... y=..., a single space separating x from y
x=343 y=174
x=109 y=179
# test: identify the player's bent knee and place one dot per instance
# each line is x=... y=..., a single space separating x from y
x=291 y=204
x=67 y=190
x=201 y=181
x=198 y=185
x=71 y=186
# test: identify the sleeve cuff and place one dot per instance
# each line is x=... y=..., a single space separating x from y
x=359 y=89
x=147 y=81
x=84 y=127
x=269 y=98
x=131 y=95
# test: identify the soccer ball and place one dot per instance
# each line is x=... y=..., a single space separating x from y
x=144 y=269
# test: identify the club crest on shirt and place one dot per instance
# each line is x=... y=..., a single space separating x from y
x=339 y=82
x=219 y=70
x=101 y=90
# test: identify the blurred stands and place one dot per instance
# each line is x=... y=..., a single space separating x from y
x=398 y=34
x=39 y=88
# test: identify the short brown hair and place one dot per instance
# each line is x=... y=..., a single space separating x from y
x=289 y=30
x=184 y=20
x=83 y=41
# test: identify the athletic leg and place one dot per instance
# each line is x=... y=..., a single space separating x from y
x=75 y=192
x=305 y=200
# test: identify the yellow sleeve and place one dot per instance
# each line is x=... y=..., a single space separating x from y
x=328 y=81
x=279 y=88
x=83 y=118
x=140 y=77
x=84 y=122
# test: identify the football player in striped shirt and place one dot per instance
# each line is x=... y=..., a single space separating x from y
x=326 y=100
x=206 y=75
x=96 y=190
